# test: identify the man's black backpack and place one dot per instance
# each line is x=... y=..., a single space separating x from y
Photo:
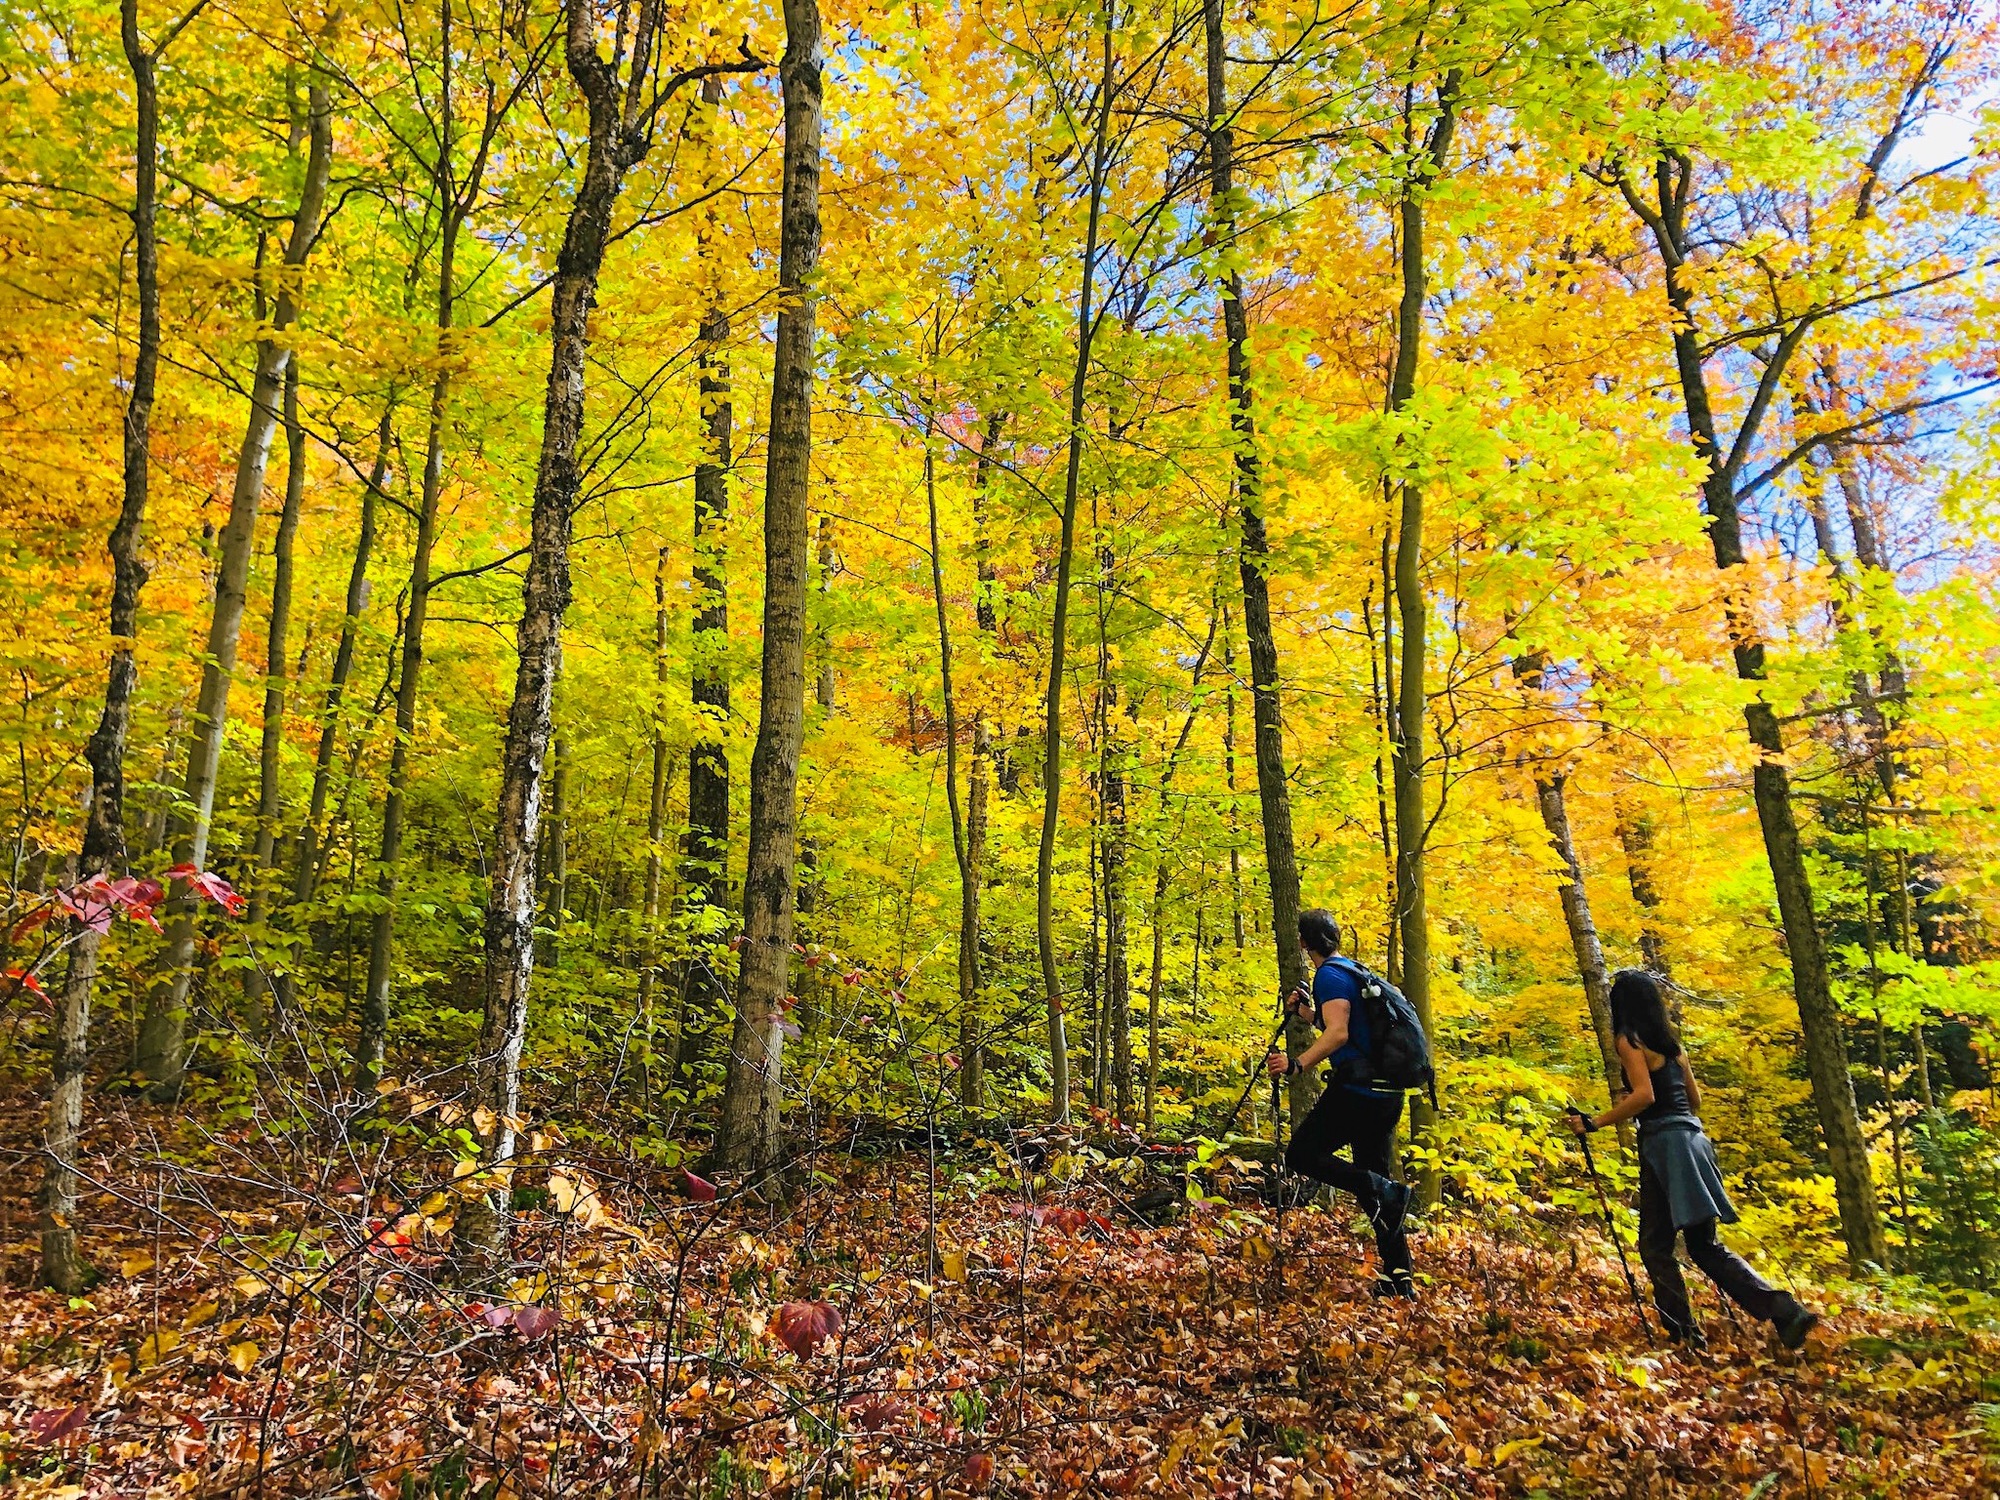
x=1397 y=1054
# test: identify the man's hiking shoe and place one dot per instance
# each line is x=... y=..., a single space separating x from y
x=1394 y=1286
x=1794 y=1322
x=1392 y=1208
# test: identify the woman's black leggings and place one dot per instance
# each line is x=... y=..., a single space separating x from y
x=1723 y=1266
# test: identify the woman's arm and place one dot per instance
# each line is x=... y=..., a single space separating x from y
x=1693 y=1088
x=1638 y=1081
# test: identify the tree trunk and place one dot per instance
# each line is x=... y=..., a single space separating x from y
x=618 y=139
x=707 y=870
x=558 y=891
x=1923 y=1051
x=1117 y=940
x=1281 y=862
x=961 y=832
x=1413 y=612
x=153 y=832
x=656 y=832
x=1550 y=789
x=372 y=1039
x=1846 y=599
x=1161 y=880
x=305 y=877
x=1819 y=1015
x=1635 y=840
x=1159 y=918
x=1378 y=710
x=272 y=740
x=823 y=682
x=1868 y=553
x=1097 y=1015
x=747 y=1138
x=1229 y=781
x=1551 y=796
x=1200 y=947
x=162 y=1050
x=809 y=874
x=971 y=1022
x=1052 y=728
x=350 y=775
x=63 y=1265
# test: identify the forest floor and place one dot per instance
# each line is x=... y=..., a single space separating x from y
x=866 y=1336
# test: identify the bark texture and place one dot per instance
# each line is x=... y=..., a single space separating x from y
x=1052 y=729
x=1413 y=929
x=1281 y=862
x=707 y=871
x=1663 y=209
x=162 y=1046
x=621 y=112
x=306 y=871
x=748 y=1136
x=63 y=1265
x=656 y=832
x=270 y=809
x=979 y=784
x=1551 y=796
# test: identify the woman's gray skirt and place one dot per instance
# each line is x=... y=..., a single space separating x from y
x=1680 y=1155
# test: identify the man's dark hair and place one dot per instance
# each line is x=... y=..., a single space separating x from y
x=1319 y=932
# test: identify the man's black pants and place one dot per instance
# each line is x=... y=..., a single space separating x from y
x=1725 y=1268
x=1366 y=1125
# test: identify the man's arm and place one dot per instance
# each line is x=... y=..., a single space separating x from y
x=1333 y=1017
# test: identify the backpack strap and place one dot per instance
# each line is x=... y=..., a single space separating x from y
x=1354 y=1049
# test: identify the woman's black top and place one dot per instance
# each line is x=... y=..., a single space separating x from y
x=1670 y=1094
x=1675 y=1152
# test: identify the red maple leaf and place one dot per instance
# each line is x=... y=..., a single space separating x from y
x=32 y=920
x=210 y=887
x=534 y=1322
x=90 y=903
x=59 y=1424
x=16 y=980
x=803 y=1326
x=138 y=898
x=699 y=1188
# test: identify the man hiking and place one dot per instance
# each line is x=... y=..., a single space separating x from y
x=1358 y=1109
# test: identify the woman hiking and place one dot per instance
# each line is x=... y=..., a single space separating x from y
x=1680 y=1186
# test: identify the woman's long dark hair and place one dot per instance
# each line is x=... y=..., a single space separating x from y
x=1639 y=1012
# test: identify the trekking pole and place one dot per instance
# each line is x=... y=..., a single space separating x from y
x=1257 y=1067
x=1611 y=1226
x=1278 y=1170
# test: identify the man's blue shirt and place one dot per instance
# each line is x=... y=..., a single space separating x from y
x=1336 y=979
